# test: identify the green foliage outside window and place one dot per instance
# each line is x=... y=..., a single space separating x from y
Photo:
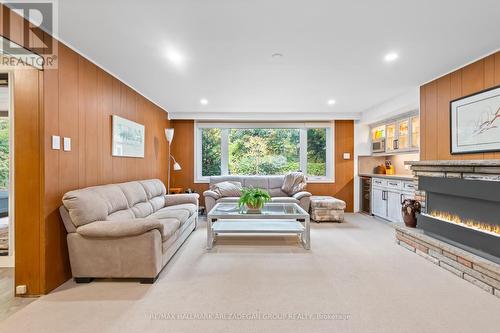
x=316 y=151
x=211 y=151
x=263 y=151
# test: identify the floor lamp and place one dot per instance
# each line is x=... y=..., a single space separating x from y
x=169 y=134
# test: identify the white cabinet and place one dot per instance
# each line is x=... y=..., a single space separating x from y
x=400 y=134
x=379 y=207
x=394 y=206
x=387 y=196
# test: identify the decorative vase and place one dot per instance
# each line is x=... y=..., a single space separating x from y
x=409 y=210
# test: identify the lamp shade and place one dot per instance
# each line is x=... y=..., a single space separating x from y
x=169 y=134
x=177 y=166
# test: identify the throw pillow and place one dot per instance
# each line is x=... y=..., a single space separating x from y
x=227 y=189
x=294 y=182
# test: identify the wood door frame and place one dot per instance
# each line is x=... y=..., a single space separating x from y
x=9 y=260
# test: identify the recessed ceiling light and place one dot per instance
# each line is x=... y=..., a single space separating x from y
x=331 y=102
x=175 y=57
x=391 y=56
x=203 y=101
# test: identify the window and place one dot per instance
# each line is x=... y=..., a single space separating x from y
x=264 y=149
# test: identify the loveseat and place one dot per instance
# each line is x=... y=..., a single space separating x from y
x=272 y=184
x=127 y=230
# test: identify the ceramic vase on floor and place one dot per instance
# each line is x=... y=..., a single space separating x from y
x=409 y=211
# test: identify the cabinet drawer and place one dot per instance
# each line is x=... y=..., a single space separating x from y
x=391 y=183
x=379 y=182
x=410 y=186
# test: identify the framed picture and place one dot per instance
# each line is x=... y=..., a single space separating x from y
x=128 y=138
x=475 y=122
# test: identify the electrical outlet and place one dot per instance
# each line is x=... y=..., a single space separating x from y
x=21 y=289
x=347 y=156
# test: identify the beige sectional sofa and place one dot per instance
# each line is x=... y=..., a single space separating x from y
x=272 y=184
x=127 y=230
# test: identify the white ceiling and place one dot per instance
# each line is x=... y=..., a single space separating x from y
x=332 y=50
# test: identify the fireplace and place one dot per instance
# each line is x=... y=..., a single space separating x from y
x=463 y=212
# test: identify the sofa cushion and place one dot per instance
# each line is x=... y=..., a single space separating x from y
x=120 y=228
x=228 y=199
x=275 y=182
x=285 y=200
x=143 y=209
x=113 y=196
x=256 y=182
x=170 y=226
x=170 y=212
x=190 y=208
x=277 y=192
x=157 y=202
x=227 y=189
x=153 y=188
x=84 y=206
x=124 y=214
x=134 y=192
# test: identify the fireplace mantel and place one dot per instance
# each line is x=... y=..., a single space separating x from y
x=473 y=163
x=466 y=169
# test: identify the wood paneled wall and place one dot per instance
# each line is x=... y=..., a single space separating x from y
x=80 y=100
x=343 y=188
x=435 y=100
x=75 y=100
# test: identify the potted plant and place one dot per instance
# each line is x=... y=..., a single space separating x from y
x=254 y=199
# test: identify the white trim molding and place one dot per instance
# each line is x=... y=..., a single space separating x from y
x=264 y=116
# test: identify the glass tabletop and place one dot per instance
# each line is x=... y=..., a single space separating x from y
x=269 y=209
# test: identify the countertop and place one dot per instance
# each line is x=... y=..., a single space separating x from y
x=376 y=175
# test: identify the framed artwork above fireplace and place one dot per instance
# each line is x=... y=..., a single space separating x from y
x=475 y=122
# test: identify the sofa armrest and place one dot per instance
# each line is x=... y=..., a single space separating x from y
x=119 y=228
x=178 y=199
x=212 y=194
x=301 y=194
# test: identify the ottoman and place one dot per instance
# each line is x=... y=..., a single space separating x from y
x=325 y=208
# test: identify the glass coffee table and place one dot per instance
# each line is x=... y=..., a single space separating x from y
x=274 y=218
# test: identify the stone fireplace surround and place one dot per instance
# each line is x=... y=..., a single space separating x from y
x=476 y=269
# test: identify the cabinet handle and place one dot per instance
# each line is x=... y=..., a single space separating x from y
x=393 y=184
x=395 y=144
x=402 y=198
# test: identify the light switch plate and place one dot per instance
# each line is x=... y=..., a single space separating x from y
x=67 y=144
x=347 y=156
x=56 y=142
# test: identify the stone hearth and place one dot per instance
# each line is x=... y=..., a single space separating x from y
x=460 y=209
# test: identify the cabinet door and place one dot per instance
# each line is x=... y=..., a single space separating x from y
x=390 y=132
x=415 y=132
x=379 y=205
x=394 y=206
x=403 y=134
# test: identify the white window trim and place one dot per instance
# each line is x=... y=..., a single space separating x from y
x=330 y=146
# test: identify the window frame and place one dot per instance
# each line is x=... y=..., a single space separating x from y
x=302 y=127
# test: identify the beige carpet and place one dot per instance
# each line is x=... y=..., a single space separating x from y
x=354 y=271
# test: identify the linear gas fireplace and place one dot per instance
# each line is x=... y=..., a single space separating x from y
x=463 y=211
